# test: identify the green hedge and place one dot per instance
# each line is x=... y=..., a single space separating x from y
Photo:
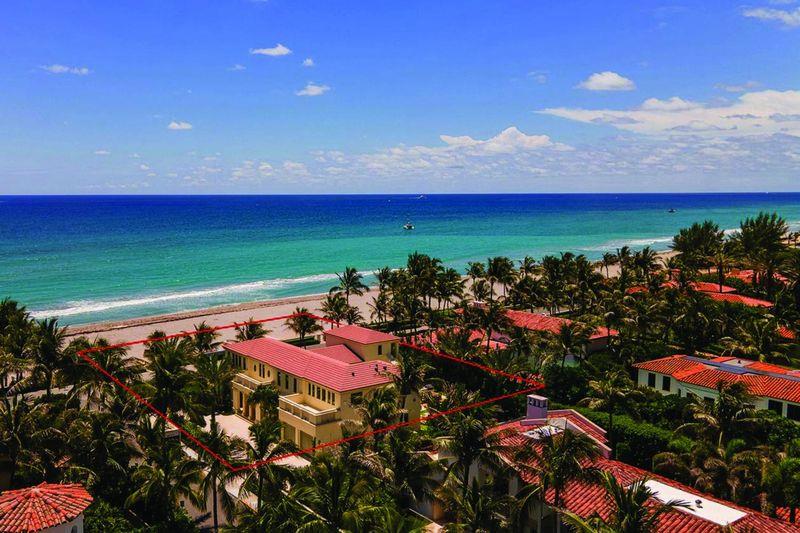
x=636 y=442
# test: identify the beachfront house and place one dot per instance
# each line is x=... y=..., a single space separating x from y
x=599 y=337
x=317 y=386
x=774 y=387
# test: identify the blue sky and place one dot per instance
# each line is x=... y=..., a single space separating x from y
x=282 y=96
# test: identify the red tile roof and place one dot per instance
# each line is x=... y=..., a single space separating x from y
x=700 y=286
x=550 y=324
x=340 y=352
x=748 y=276
x=41 y=507
x=360 y=334
x=587 y=499
x=755 y=377
x=787 y=333
x=475 y=335
x=738 y=299
x=314 y=366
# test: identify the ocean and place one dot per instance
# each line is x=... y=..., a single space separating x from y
x=94 y=258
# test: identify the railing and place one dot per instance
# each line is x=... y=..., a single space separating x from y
x=294 y=406
x=247 y=382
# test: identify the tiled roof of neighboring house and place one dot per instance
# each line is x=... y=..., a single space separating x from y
x=340 y=352
x=787 y=333
x=762 y=379
x=738 y=299
x=550 y=324
x=587 y=499
x=360 y=334
x=748 y=276
x=41 y=507
x=475 y=335
x=700 y=286
x=314 y=366
x=668 y=365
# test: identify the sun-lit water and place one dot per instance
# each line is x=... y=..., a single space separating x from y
x=86 y=259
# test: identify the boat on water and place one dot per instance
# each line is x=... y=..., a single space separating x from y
x=672 y=210
x=408 y=226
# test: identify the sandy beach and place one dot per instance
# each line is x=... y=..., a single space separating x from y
x=139 y=328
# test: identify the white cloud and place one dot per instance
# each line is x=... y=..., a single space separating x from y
x=308 y=62
x=64 y=69
x=312 y=89
x=276 y=51
x=607 y=81
x=179 y=125
x=539 y=76
x=102 y=152
x=237 y=68
x=144 y=167
x=790 y=19
x=738 y=87
x=507 y=141
x=755 y=113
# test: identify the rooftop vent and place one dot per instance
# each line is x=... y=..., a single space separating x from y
x=543 y=432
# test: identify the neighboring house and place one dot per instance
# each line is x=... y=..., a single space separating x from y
x=739 y=299
x=714 y=291
x=584 y=498
x=774 y=387
x=317 y=386
x=47 y=507
x=598 y=338
x=750 y=276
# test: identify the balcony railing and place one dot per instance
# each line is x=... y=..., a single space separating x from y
x=247 y=382
x=293 y=405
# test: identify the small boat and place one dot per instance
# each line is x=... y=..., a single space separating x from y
x=671 y=210
x=408 y=226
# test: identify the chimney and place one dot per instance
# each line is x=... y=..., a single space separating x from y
x=537 y=408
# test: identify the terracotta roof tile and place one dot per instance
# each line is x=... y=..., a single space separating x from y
x=340 y=352
x=361 y=335
x=41 y=507
x=313 y=366
x=550 y=324
x=738 y=299
x=669 y=365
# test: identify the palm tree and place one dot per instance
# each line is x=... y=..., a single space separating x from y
x=217 y=475
x=408 y=474
x=697 y=243
x=616 y=391
x=350 y=282
x=760 y=243
x=48 y=356
x=563 y=457
x=203 y=339
x=490 y=318
x=781 y=479
x=756 y=338
x=468 y=441
x=609 y=259
x=166 y=475
x=90 y=384
x=334 y=307
x=334 y=495
x=251 y=330
x=410 y=375
x=499 y=270
x=170 y=388
x=378 y=409
x=718 y=421
x=791 y=269
x=302 y=323
x=214 y=373
x=19 y=426
x=268 y=478
x=634 y=509
x=475 y=508
x=572 y=339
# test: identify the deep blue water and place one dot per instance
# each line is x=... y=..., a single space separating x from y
x=89 y=258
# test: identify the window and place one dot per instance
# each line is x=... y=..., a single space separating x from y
x=380 y=349
x=775 y=406
x=665 y=383
x=651 y=380
x=792 y=411
x=241 y=400
x=309 y=389
x=294 y=384
x=333 y=398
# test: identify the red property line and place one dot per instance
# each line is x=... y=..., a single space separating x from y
x=532 y=383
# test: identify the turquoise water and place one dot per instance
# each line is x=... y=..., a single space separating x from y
x=86 y=259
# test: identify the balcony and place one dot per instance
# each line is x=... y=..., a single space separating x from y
x=292 y=405
x=247 y=382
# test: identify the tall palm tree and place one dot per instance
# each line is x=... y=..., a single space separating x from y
x=214 y=373
x=334 y=307
x=697 y=243
x=47 y=353
x=410 y=375
x=335 y=496
x=718 y=421
x=170 y=387
x=613 y=392
x=20 y=423
x=781 y=479
x=165 y=476
x=251 y=330
x=609 y=259
x=350 y=282
x=378 y=409
x=475 y=508
x=408 y=474
x=269 y=478
x=634 y=509
x=760 y=243
x=217 y=475
x=572 y=339
x=563 y=457
x=95 y=387
x=490 y=318
x=301 y=323
x=204 y=339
